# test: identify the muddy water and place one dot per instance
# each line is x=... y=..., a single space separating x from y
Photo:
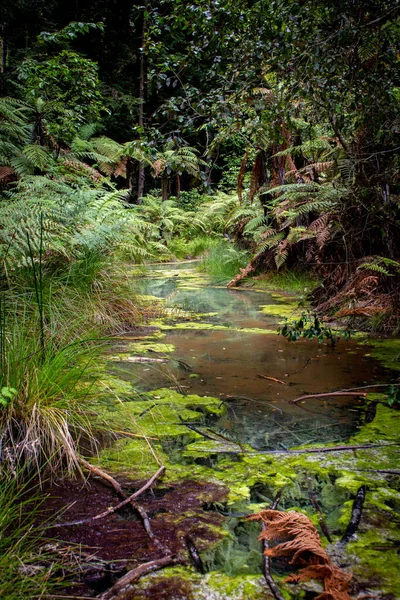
x=230 y=346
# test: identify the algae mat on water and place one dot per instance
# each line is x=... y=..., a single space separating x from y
x=253 y=479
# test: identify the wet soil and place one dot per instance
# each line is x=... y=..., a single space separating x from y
x=178 y=515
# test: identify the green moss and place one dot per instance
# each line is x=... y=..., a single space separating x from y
x=194 y=325
x=387 y=352
x=373 y=557
x=241 y=587
x=384 y=428
x=212 y=586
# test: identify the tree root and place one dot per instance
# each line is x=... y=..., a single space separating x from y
x=113 y=509
x=96 y=471
x=120 y=589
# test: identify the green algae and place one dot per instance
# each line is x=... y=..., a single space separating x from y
x=211 y=586
x=254 y=479
x=280 y=310
x=387 y=351
x=146 y=346
x=375 y=557
x=194 y=325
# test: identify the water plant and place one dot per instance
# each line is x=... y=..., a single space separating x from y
x=309 y=326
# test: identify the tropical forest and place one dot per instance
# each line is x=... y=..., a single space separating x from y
x=200 y=300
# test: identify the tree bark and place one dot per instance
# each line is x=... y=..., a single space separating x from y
x=142 y=99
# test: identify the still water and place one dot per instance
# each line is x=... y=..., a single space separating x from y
x=225 y=347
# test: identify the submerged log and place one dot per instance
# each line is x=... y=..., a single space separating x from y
x=326 y=395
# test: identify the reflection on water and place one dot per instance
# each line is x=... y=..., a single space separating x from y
x=232 y=365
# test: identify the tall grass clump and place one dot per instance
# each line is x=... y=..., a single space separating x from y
x=296 y=281
x=47 y=390
x=183 y=248
x=223 y=261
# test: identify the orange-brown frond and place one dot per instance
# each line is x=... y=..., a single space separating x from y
x=296 y=538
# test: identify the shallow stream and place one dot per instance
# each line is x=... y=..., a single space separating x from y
x=222 y=342
x=204 y=390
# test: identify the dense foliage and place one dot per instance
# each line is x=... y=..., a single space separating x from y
x=146 y=131
x=262 y=136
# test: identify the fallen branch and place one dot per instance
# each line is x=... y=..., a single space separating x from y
x=122 y=587
x=325 y=395
x=146 y=523
x=267 y=570
x=242 y=275
x=113 y=509
x=271 y=378
x=373 y=386
x=303 y=450
x=267 y=559
x=346 y=392
x=329 y=449
x=355 y=516
x=194 y=555
x=117 y=486
x=193 y=428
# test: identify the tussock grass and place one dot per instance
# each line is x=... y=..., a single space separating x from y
x=48 y=409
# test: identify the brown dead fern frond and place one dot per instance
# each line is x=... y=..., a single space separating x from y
x=7 y=174
x=256 y=176
x=159 y=166
x=120 y=168
x=320 y=167
x=296 y=538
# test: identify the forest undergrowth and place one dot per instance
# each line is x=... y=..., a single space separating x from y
x=284 y=173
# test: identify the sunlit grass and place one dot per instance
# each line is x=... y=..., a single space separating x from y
x=286 y=281
x=182 y=248
x=223 y=261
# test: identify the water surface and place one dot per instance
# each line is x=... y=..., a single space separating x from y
x=232 y=363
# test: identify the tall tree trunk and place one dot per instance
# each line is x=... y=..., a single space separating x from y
x=142 y=99
x=131 y=180
x=165 y=188
x=2 y=54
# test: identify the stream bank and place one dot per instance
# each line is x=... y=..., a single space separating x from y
x=195 y=402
